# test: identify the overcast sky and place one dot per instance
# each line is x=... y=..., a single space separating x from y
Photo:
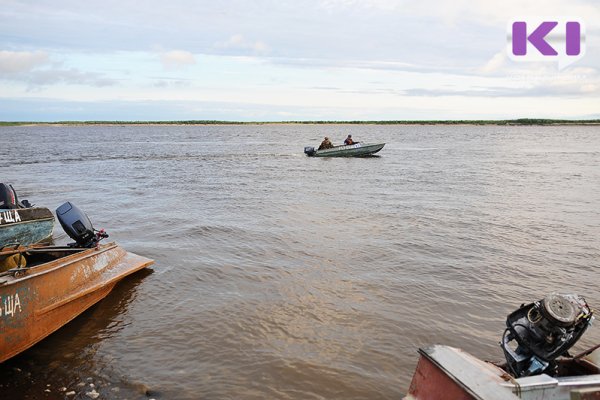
x=270 y=60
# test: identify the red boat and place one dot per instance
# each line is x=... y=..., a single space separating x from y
x=539 y=368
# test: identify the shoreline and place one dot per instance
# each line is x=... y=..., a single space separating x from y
x=514 y=122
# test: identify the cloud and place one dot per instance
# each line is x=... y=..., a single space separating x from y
x=177 y=59
x=172 y=83
x=70 y=76
x=376 y=52
x=384 y=5
x=496 y=64
x=463 y=11
x=36 y=69
x=53 y=109
x=15 y=62
x=561 y=90
x=238 y=42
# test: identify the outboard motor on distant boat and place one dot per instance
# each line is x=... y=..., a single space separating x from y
x=543 y=331
x=309 y=151
x=78 y=226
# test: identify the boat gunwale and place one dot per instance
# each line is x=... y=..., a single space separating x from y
x=60 y=263
x=28 y=210
x=461 y=367
x=27 y=222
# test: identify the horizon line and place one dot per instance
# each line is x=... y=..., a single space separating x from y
x=518 y=121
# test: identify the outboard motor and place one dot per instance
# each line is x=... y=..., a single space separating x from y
x=78 y=226
x=8 y=197
x=309 y=151
x=543 y=331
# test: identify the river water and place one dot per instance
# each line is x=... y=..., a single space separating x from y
x=287 y=277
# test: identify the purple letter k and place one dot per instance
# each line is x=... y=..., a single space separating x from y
x=520 y=38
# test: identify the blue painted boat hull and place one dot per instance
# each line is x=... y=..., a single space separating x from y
x=25 y=226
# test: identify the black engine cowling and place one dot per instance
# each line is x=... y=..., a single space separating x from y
x=543 y=331
x=77 y=225
x=309 y=151
x=8 y=197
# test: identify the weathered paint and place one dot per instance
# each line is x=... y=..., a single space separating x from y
x=9 y=216
x=10 y=305
x=431 y=383
x=25 y=226
x=445 y=372
x=50 y=295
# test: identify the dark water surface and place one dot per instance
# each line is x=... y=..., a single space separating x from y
x=286 y=277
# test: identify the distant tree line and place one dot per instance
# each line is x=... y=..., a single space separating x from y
x=521 y=121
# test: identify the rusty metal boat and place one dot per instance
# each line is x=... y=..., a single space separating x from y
x=538 y=365
x=51 y=285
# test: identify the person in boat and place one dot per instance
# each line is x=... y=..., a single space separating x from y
x=349 y=140
x=325 y=144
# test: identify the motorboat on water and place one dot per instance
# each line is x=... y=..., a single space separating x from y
x=48 y=285
x=351 y=150
x=20 y=222
x=538 y=364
